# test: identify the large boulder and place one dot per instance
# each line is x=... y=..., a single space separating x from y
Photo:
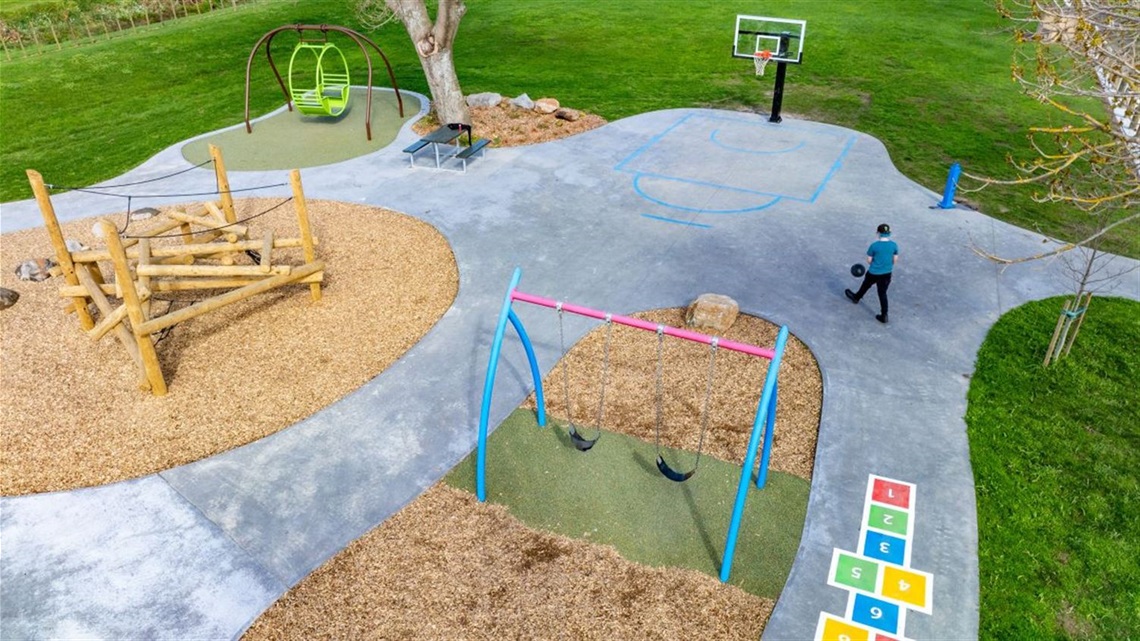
x=485 y=99
x=523 y=102
x=712 y=314
x=546 y=105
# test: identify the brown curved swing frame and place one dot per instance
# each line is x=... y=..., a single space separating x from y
x=356 y=37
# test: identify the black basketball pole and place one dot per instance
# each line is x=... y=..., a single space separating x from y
x=778 y=92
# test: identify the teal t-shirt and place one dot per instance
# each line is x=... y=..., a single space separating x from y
x=882 y=253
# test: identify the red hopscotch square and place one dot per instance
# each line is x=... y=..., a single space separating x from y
x=883 y=637
x=891 y=493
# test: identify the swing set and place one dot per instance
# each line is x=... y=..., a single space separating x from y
x=763 y=424
x=318 y=78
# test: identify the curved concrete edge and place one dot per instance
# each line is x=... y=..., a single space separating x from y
x=72 y=205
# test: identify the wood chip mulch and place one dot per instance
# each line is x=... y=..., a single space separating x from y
x=509 y=126
x=72 y=413
x=448 y=567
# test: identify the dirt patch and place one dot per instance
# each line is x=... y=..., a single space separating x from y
x=510 y=126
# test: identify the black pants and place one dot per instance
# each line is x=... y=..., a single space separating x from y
x=881 y=283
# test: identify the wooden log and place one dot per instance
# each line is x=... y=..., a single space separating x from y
x=161 y=226
x=187 y=232
x=121 y=331
x=185 y=285
x=134 y=310
x=210 y=270
x=218 y=215
x=303 y=224
x=232 y=232
x=223 y=184
x=266 y=249
x=62 y=254
x=196 y=249
x=143 y=279
x=229 y=297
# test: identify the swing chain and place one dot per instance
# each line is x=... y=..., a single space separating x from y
x=660 y=401
x=565 y=368
x=713 y=344
x=605 y=372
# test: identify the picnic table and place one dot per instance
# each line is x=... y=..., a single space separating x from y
x=446 y=137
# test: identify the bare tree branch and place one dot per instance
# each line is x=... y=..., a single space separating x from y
x=1055 y=252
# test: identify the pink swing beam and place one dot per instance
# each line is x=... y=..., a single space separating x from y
x=763 y=352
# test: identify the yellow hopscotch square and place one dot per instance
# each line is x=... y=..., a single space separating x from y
x=908 y=586
x=833 y=629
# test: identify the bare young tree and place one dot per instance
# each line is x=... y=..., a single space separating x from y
x=433 y=41
x=1079 y=57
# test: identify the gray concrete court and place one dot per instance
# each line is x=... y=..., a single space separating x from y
x=646 y=212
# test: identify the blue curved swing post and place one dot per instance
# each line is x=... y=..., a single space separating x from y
x=505 y=314
x=766 y=412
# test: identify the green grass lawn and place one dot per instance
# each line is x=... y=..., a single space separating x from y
x=1055 y=455
x=614 y=495
x=934 y=91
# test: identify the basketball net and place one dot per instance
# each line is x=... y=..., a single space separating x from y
x=761 y=59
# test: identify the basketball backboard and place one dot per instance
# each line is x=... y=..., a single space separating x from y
x=781 y=37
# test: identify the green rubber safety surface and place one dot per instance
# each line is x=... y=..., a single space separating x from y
x=613 y=494
x=290 y=140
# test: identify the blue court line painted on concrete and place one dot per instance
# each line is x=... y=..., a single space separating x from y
x=834 y=168
x=638 y=175
x=718 y=143
x=621 y=166
x=637 y=188
x=687 y=223
x=652 y=141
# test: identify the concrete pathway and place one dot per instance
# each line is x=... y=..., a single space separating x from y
x=646 y=212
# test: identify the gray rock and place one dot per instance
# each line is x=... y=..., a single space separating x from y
x=8 y=297
x=75 y=245
x=485 y=99
x=35 y=270
x=523 y=102
x=143 y=213
x=569 y=115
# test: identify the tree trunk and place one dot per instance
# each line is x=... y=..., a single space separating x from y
x=433 y=43
x=447 y=97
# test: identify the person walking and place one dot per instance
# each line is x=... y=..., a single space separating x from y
x=881 y=258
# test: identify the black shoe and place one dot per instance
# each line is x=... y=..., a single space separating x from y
x=882 y=318
x=851 y=296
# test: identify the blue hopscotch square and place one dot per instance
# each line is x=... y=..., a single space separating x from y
x=885 y=547
x=874 y=613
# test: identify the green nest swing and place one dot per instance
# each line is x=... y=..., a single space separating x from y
x=328 y=95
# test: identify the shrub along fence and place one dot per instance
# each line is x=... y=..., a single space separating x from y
x=40 y=26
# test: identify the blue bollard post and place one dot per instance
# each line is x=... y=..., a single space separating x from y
x=951 y=186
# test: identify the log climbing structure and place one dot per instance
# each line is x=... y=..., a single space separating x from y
x=203 y=248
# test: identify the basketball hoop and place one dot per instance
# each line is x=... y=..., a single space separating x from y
x=761 y=59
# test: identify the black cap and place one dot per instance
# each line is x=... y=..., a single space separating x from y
x=884 y=229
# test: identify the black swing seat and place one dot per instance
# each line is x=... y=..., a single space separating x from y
x=583 y=444
x=671 y=474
